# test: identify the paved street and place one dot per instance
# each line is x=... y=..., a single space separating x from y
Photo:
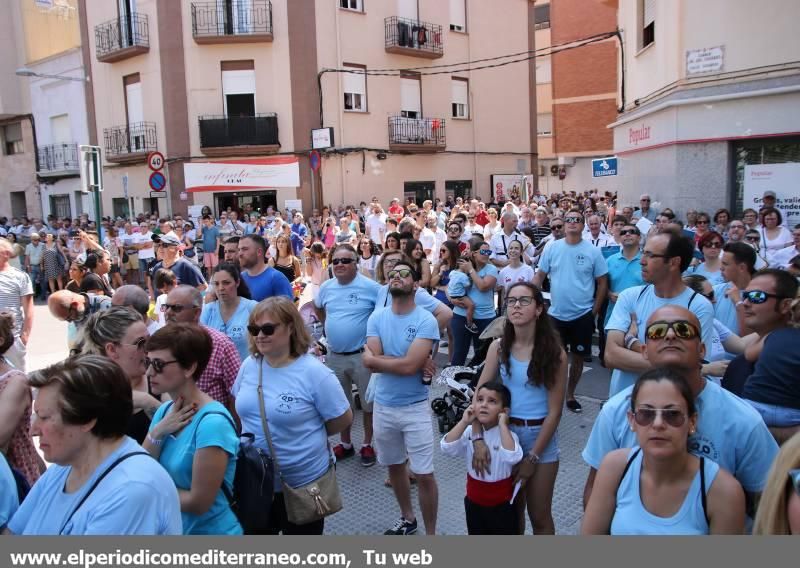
x=369 y=506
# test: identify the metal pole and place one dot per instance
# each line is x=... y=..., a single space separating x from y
x=98 y=207
x=313 y=189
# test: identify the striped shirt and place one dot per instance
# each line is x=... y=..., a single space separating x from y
x=14 y=284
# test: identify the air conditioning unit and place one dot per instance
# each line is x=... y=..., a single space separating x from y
x=554 y=170
x=542 y=171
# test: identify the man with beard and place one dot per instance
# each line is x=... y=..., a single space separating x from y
x=399 y=344
x=262 y=280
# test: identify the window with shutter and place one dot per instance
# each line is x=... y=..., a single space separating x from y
x=460 y=97
x=458 y=15
x=544 y=124
x=648 y=11
x=410 y=103
x=354 y=87
x=544 y=71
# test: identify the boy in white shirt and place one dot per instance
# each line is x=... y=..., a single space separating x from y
x=488 y=504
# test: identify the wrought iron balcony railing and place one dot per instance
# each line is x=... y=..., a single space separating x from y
x=57 y=159
x=136 y=138
x=122 y=37
x=412 y=37
x=423 y=132
x=232 y=21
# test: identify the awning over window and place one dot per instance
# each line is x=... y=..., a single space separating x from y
x=256 y=173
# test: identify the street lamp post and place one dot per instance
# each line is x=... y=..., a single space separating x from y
x=25 y=72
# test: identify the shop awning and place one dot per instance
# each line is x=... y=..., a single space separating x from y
x=237 y=175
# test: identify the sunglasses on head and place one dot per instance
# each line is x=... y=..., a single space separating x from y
x=758 y=296
x=401 y=272
x=672 y=416
x=157 y=364
x=267 y=329
x=683 y=329
x=337 y=261
x=628 y=232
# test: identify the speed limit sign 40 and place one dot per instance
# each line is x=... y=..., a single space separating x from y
x=155 y=161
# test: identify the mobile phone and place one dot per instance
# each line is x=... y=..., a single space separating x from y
x=434 y=349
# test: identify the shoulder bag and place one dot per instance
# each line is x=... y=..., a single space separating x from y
x=312 y=501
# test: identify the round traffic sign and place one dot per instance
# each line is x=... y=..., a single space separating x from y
x=157 y=181
x=155 y=161
x=314 y=160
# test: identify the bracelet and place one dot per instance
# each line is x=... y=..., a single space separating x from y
x=630 y=340
x=532 y=458
x=153 y=441
x=477 y=437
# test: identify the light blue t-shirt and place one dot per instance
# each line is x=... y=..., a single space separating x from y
x=421 y=298
x=347 y=309
x=298 y=399
x=724 y=309
x=631 y=517
x=138 y=497
x=458 y=285
x=644 y=303
x=714 y=278
x=528 y=401
x=572 y=270
x=729 y=432
x=622 y=274
x=8 y=492
x=235 y=327
x=210 y=236
x=397 y=333
x=177 y=457
x=484 y=301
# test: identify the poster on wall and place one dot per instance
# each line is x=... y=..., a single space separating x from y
x=508 y=187
x=783 y=179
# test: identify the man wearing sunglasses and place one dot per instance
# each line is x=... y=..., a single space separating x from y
x=169 y=251
x=624 y=271
x=344 y=305
x=645 y=210
x=664 y=259
x=772 y=388
x=184 y=305
x=399 y=344
x=728 y=431
x=578 y=287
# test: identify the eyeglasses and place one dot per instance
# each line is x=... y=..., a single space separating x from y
x=753 y=239
x=450 y=229
x=644 y=200
x=337 y=261
x=649 y=254
x=758 y=296
x=177 y=308
x=573 y=219
x=484 y=252
x=157 y=364
x=794 y=477
x=267 y=329
x=672 y=416
x=556 y=227
x=683 y=330
x=520 y=300
x=139 y=343
x=628 y=232
x=702 y=222
x=714 y=245
x=402 y=273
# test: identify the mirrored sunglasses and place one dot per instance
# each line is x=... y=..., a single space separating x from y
x=683 y=329
x=758 y=296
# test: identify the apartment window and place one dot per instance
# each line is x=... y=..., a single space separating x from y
x=458 y=15
x=648 y=12
x=239 y=88
x=120 y=207
x=458 y=188
x=12 y=139
x=542 y=16
x=355 y=5
x=410 y=96
x=460 y=97
x=544 y=124
x=355 y=88
x=419 y=191
x=59 y=205
x=544 y=71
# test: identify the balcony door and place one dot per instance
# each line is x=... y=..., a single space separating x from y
x=234 y=17
x=239 y=88
x=135 y=113
x=410 y=97
x=126 y=10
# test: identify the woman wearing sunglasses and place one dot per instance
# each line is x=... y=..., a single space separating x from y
x=303 y=403
x=120 y=334
x=659 y=487
x=533 y=365
x=192 y=436
x=779 y=506
x=710 y=244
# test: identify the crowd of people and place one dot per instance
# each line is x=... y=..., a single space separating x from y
x=186 y=334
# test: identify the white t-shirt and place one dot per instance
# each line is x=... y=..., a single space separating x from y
x=509 y=275
x=376 y=224
x=145 y=253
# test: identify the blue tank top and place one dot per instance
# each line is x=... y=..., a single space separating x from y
x=528 y=401
x=631 y=517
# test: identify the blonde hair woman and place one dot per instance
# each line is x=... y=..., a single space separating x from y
x=779 y=506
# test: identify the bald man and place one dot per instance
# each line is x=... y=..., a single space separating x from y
x=76 y=307
x=729 y=431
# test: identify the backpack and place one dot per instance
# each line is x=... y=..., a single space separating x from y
x=250 y=498
x=23 y=487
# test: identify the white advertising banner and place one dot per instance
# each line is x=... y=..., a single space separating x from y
x=507 y=187
x=783 y=179
x=258 y=173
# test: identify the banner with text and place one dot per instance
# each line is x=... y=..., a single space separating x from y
x=239 y=175
x=783 y=179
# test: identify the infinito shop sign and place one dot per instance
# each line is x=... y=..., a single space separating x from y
x=636 y=135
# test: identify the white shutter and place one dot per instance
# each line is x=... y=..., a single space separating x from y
x=458 y=15
x=544 y=124
x=544 y=71
x=409 y=95
x=649 y=12
x=240 y=82
x=60 y=132
x=407 y=9
x=354 y=82
x=133 y=95
x=460 y=96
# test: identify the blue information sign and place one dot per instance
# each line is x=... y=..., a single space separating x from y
x=604 y=167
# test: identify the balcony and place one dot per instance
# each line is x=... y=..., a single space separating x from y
x=239 y=21
x=130 y=143
x=419 y=135
x=412 y=37
x=239 y=135
x=58 y=160
x=122 y=38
